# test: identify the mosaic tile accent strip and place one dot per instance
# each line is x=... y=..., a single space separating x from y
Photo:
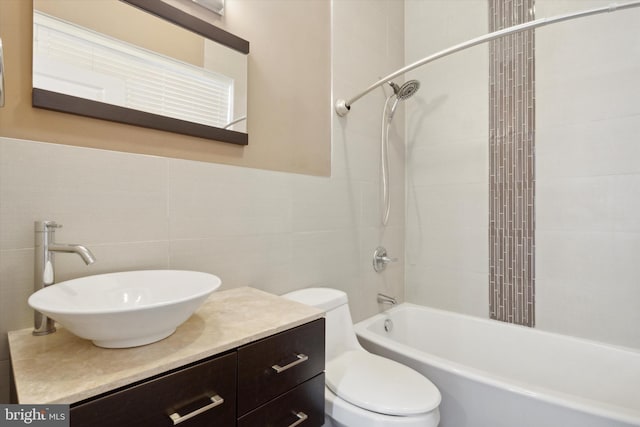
x=511 y=165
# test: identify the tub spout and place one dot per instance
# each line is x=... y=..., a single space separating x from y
x=386 y=299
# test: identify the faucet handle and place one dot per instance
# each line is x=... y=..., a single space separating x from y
x=48 y=277
x=381 y=259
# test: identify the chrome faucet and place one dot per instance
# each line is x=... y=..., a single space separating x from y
x=45 y=246
x=386 y=299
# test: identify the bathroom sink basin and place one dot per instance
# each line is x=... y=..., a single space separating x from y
x=125 y=309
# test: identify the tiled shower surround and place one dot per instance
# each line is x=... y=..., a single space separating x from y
x=587 y=174
x=511 y=165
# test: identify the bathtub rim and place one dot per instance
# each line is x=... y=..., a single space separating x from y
x=589 y=406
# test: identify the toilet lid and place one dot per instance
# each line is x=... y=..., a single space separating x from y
x=380 y=385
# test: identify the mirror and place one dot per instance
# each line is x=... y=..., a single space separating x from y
x=94 y=59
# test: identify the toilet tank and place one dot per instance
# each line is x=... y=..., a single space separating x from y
x=340 y=336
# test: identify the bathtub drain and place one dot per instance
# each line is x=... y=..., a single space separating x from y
x=388 y=325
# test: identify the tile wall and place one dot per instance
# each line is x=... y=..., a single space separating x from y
x=588 y=174
x=512 y=165
x=587 y=170
x=274 y=231
x=447 y=159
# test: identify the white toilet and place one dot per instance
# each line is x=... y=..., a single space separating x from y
x=363 y=389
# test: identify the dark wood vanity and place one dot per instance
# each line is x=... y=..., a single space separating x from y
x=276 y=381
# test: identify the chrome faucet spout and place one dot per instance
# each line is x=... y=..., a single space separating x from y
x=45 y=248
x=84 y=252
x=386 y=299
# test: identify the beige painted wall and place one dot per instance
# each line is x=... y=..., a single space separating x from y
x=289 y=93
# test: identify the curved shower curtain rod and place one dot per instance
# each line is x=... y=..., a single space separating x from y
x=343 y=106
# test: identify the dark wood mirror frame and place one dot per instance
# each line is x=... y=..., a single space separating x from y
x=70 y=104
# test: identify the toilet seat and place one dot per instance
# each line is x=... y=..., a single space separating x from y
x=380 y=385
x=341 y=413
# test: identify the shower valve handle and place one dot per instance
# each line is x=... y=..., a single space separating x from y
x=381 y=259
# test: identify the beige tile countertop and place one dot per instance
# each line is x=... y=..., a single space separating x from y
x=62 y=368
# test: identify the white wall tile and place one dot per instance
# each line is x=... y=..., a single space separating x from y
x=587 y=312
x=451 y=205
x=625 y=268
x=452 y=290
x=372 y=208
x=390 y=281
x=142 y=255
x=261 y=260
x=360 y=60
x=323 y=204
x=453 y=100
x=574 y=256
x=433 y=25
x=93 y=193
x=589 y=97
x=456 y=248
x=451 y=162
x=16 y=284
x=589 y=64
x=582 y=203
x=604 y=147
x=358 y=156
x=625 y=202
x=326 y=258
x=447 y=164
x=587 y=120
x=206 y=201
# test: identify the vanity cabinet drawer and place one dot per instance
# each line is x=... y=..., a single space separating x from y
x=275 y=365
x=302 y=406
x=196 y=390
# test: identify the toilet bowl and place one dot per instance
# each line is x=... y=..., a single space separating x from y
x=363 y=389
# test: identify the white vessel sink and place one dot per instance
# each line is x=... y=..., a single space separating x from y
x=126 y=309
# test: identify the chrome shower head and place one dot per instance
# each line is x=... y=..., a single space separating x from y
x=407 y=90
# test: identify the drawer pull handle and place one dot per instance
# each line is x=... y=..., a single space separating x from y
x=299 y=359
x=177 y=418
x=302 y=417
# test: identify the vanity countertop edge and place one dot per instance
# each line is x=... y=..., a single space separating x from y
x=62 y=368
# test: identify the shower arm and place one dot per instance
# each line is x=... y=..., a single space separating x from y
x=343 y=106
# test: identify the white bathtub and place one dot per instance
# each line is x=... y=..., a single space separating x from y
x=493 y=374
